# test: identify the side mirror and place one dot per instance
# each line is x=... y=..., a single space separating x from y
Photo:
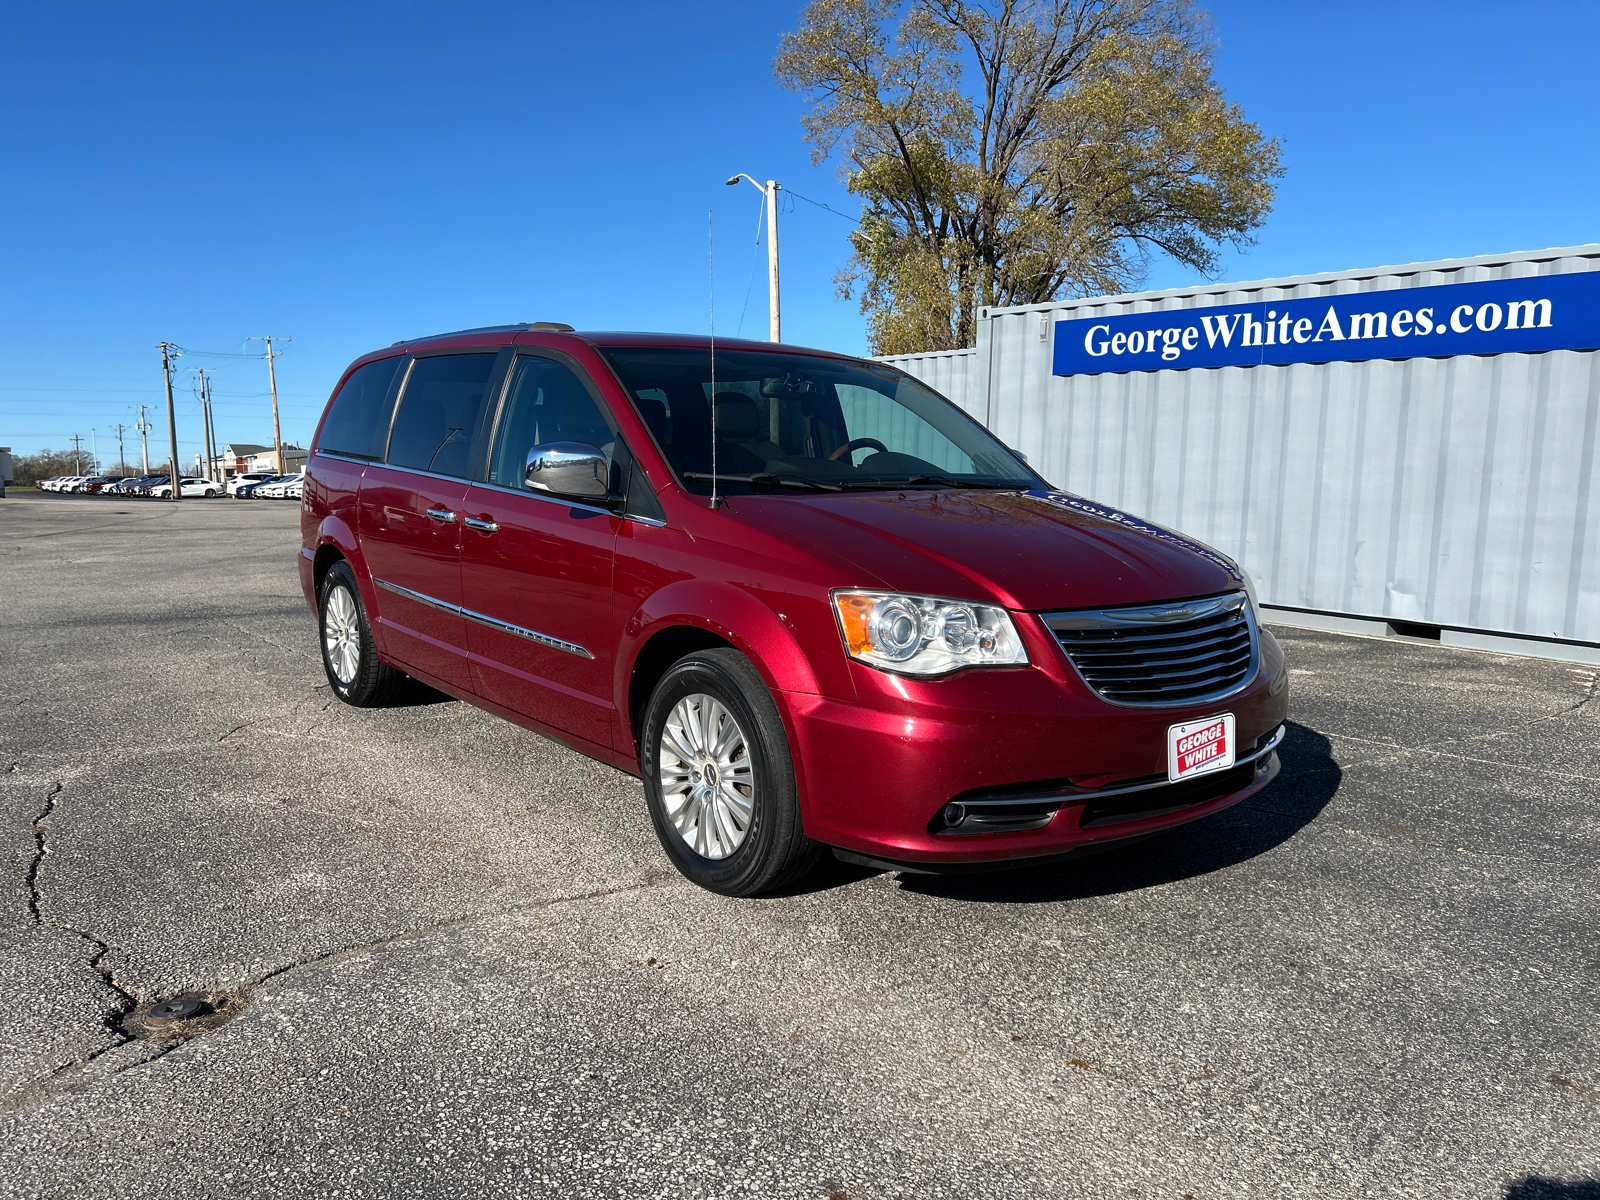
x=574 y=469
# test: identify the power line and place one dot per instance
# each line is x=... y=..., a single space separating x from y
x=820 y=204
x=754 y=255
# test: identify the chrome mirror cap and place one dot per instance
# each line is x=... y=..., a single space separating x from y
x=569 y=469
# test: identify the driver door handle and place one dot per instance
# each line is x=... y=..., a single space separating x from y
x=481 y=526
x=442 y=515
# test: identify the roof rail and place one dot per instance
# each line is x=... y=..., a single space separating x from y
x=529 y=326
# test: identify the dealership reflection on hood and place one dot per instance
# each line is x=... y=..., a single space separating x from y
x=1128 y=521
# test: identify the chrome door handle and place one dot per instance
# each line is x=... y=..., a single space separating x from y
x=481 y=526
x=443 y=515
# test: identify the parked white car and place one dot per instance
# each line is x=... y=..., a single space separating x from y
x=249 y=477
x=190 y=487
x=286 y=488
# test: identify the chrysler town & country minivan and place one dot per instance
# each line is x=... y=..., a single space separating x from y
x=810 y=602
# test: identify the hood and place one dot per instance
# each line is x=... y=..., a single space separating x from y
x=1031 y=551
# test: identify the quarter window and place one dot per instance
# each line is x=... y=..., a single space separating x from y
x=545 y=403
x=358 y=418
x=439 y=413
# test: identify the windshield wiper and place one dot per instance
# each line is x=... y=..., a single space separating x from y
x=937 y=480
x=768 y=479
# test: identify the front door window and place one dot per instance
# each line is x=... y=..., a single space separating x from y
x=539 y=569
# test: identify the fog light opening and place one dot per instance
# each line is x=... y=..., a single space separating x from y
x=954 y=814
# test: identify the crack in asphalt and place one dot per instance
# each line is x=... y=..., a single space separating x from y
x=1402 y=751
x=416 y=932
x=65 y=1076
x=40 y=849
x=256 y=634
x=1513 y=730
x=70 y=1075
x=1594 y=683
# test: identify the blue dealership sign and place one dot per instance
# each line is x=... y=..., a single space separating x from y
x=1502 y=316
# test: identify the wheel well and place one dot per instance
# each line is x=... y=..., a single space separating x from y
x=326 y=556
x=657 y=656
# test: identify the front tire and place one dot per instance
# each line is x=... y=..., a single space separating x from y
x=348 y=654
x=719 y=778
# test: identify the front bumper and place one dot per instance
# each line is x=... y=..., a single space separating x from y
x=1043 y=766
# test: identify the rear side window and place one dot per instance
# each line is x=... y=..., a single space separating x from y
x=358 y=419
x=545 y=403
x=439 y=413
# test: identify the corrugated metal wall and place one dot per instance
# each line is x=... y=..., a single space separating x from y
x=1458 y=491
x=951 y=373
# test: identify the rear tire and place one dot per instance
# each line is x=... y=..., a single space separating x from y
x=348 y=654
x=719 y=778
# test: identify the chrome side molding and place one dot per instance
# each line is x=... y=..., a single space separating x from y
x=531 y=635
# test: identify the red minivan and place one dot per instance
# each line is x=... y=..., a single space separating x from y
x=809 y=601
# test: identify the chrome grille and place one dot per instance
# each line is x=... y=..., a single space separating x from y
x=1184 y=652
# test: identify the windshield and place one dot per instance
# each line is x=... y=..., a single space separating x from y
x=792 y=421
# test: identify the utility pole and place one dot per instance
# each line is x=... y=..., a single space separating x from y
x=272 y=378
x=94 y=453
x=122 y=457
x=772 y=262
x=168 y=353
x=203 y=391
x=774 y=312
x=211 y=429
x=211 y=415
x=144 y=427
x=77 y=454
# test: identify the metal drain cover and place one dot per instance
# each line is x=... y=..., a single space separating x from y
x=184 y=1008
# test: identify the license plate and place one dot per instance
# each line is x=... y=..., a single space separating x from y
x=1200 y=747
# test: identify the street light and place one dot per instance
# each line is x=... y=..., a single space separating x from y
x=770 y=190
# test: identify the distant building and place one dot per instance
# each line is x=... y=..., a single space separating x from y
x=235 y=459
x=294 y=459
x=239 y=458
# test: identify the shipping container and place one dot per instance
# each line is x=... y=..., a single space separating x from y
x=1440 y=491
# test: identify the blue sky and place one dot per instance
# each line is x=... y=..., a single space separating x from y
x=352 y=174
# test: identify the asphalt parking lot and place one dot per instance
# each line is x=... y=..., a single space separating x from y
x=457 y=963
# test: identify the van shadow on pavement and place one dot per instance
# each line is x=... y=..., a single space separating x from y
x=416 y=694
x=1271 y=817
x=1537 y=1187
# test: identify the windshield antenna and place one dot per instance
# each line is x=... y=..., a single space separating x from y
x=711 y=253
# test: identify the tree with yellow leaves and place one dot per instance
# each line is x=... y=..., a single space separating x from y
x=1019 y=151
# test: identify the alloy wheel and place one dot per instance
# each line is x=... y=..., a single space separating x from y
x=341 y=634
x=707 y=782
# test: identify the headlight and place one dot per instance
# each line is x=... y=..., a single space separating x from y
x=1250 y=590
x=924 y=635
